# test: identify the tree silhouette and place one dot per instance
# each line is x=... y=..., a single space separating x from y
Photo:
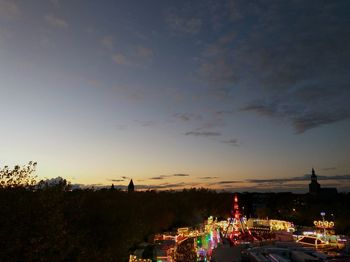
x=18 y=177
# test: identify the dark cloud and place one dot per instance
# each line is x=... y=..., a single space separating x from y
x=300 y=178
x=224 y=112
x=293 y=184
x=278 y=180
x=227 y=182
x=164 y=186
x=232 y=142
x=158 y=177
x=116 y=180
x=125 y=177
x=210 y=124
x=170 y=186
x=167 y=176
x=301 y=121
x=202 y=133
x=293 y=55
x=261 y=108
x=180 y=174
x=298 y=189
x=187 y=116
x=336 y=177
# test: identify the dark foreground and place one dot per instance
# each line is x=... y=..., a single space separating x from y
x=57 y=224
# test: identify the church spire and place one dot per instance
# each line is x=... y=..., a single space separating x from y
x=131 y=187
x=313 y=175
x=314 y=187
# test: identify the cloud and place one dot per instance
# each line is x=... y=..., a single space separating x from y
x=126 y=177
x=146 y=123
x=180 y=174
x=120 y=59
x=296 y=184
x=159 y=177
x=185 y=25
x=278 y=180
x=292 y=61
x=261 y=108
x=162 y=186
x=137 y=56
x=202 y=133
x=301 y=118
x=299 y=178
x=227 y=182
x=186 y=117
x=179 y=185
x=221 y=113
x=298 y=189
x=9 y=9
x=217 y=63
x=335 y=177
x=116 y=180
x=56 y=21
x=232 y=142
x=167 y=176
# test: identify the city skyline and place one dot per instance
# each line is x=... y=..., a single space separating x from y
x=219 y=94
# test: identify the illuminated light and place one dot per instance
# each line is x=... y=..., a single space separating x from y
x=324 y=224
x=305 y=233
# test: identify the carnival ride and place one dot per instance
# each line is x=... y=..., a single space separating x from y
x=237 y=230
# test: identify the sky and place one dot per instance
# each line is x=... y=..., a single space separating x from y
x=228 y=95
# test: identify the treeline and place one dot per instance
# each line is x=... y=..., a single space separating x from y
x=56 y=224
x=53 y=224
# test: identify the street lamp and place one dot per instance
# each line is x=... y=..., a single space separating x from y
x=324 y=226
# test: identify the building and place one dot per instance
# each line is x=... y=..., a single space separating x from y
x=131 y=187
x=314 y=186
x=316 y=190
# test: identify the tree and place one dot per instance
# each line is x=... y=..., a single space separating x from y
x=18 y=177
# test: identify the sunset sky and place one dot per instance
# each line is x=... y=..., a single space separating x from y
x=232 y=94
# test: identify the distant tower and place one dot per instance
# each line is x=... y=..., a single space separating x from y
x=235 y=211
x=314 y=186
x=131 y=187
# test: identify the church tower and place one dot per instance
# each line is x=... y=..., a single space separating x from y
x=314 y=186
x=131 y=187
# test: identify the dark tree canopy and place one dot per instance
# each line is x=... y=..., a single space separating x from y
x=18 y=177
